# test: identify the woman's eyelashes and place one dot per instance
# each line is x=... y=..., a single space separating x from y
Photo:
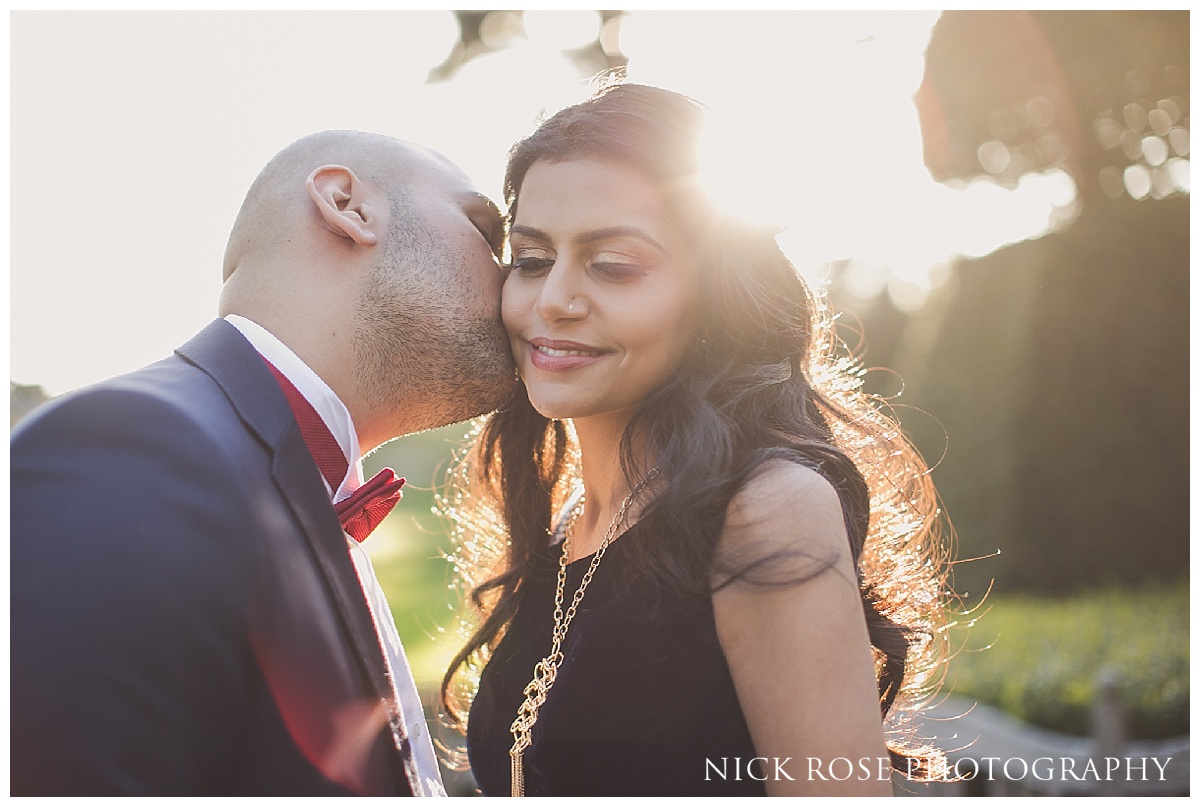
x=530 y=265
x=605 y=265
x=614 y=270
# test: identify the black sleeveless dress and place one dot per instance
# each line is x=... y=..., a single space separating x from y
x=643 y=698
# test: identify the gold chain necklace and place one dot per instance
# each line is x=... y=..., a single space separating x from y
x=546 y=670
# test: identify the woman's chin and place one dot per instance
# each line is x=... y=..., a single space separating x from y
x=552 y=403
x=554 y=410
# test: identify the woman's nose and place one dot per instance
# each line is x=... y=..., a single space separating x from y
x=560 y=297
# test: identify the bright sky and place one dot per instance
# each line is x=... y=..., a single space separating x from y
x=134 y=136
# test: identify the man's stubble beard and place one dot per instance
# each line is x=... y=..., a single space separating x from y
x=419 y=348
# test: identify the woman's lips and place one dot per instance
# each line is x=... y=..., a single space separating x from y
x=556 y=355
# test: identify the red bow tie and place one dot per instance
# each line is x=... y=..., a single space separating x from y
x=361 y=512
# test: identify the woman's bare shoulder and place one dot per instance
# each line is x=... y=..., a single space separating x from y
x=785 y=502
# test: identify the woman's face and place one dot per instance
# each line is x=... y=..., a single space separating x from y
x=599 y=304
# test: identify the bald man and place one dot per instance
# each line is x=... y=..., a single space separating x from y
x=192 y=612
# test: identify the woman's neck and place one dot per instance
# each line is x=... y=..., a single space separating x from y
x=604 y=483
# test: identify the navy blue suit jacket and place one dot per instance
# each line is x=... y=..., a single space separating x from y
x=186 y=619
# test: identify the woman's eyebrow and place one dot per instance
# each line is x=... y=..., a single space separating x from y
x=619 y=232
x=592 y=235
x=528 y=232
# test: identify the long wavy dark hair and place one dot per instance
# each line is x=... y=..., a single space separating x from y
x=764 y=379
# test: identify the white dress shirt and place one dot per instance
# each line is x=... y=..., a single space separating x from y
x=335 y=415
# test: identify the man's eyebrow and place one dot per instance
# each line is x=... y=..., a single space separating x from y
x=476 y=196
x=495 y=223
x=592 y=236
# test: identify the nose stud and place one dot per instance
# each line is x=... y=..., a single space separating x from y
x=571 y=307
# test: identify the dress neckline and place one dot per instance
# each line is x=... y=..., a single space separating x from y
x=556 y=538
x=557 y=545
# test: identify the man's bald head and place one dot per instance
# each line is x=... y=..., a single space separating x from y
x=375 y=261
x=278 y=194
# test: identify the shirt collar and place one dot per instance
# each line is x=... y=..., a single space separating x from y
x=323 y=399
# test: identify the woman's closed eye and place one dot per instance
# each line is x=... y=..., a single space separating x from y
x=616 y=267
x=531 y=265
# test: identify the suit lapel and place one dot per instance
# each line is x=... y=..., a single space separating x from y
x=299 y=480
x=223 y=353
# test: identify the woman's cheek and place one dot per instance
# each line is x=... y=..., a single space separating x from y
x=510 y=302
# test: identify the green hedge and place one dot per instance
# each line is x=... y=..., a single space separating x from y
x=1054 y=375
x=1039 y=659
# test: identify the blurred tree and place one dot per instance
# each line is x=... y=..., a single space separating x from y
x=482 y=32
x=1058 y=368
x=23 y=399
x=1097 y=93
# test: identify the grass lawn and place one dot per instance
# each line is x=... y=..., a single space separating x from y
x=416 y=580
x=1039 y=659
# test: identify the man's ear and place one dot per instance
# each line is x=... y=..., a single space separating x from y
x=345 y=203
